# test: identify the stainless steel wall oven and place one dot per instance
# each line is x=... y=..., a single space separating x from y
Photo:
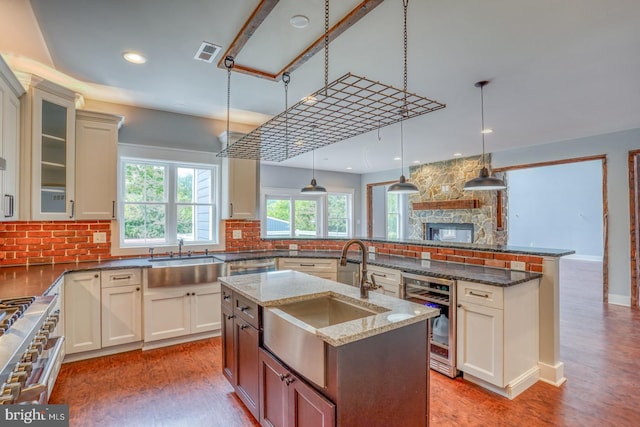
x=437 y=293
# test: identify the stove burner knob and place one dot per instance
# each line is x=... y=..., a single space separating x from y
x=11 y=390
x=30 y=355
x=37 y=346
x=41 y=339
x=49 y=325
x=6 y=399
x=44 y=333
x=18 y=377
x=24 y=366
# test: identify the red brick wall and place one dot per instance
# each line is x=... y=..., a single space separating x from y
x=46 y=242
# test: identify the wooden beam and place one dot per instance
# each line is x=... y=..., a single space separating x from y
x=447 y=204
x=258 y=17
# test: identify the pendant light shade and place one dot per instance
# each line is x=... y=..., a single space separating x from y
x=313 y=188
x=484 y=181
x=402 y=186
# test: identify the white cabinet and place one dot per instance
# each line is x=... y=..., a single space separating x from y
x=319 y=267
x=497 y=335
x=388 y=280
x=53 y=153
x=82 y=312
x=10 y=92
x=240 y=183
x=178 y=311
x=121 y=307
x=96 y=164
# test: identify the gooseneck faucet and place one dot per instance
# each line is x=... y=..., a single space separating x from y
x=180 y=243
x=365 y=285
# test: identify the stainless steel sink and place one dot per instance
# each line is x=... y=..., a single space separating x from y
x=290 y=331
x=184 y=271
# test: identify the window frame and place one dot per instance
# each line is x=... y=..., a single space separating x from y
x=179 y=158
x=322 y=220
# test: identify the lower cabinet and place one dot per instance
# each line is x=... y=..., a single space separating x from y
x=121 y=301
x=247 y=341
x=497 y=335
x=388 y=280
x=82 y=312
x=286 y=401
x=179 y=311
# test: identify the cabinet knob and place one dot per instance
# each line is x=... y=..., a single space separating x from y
x=284 y=377
x=459 y=305
x=243 y=327
x=289 y=381
x=137 y=289
x=229 y=317
x=226 y=297
x=243 y=308
x=96 y=275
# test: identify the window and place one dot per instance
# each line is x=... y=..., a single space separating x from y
x=165 y=201
x=287 y=213
x=395 y=215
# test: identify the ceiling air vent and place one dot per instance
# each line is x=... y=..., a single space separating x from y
x=207 y=52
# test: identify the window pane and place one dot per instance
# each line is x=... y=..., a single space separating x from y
x=185 y=186
x=144 y=183
x=144 y=224
x=306 y=218
x=338 y=215
x=393 y=216
x=278 y=217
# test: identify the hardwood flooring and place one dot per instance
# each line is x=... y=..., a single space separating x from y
x=183 y=385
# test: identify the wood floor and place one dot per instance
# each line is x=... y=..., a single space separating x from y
x=183 y=385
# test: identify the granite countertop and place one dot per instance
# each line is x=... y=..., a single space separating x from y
x=448 y=270
x=281 y=287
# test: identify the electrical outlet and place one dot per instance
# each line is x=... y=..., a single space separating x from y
x=236 y=234
x=99 y=237
x=293 y=247
x=425 y=255
x=518 y=265
x=372 y=249
x=425 y=264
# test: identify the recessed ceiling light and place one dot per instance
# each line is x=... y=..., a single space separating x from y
x=486 y=130
x=349 y=168
x=134 y=57
x=416 y=161
x=457 y=154
x=396 y=158
x=299 y=21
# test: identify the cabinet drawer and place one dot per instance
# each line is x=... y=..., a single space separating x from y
x=226 y=298
x=481 y=294
x=245 y=309
x=308 y=264
x=111 y=278
x=388 y=278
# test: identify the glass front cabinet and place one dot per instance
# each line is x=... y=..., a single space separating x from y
x=53 y=155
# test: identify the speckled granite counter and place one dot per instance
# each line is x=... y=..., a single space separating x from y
x=448 y=270
x=281 y=287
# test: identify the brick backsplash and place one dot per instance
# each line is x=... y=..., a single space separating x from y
x=47 y=242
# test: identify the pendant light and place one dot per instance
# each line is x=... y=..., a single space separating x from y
x=313 y=188
x=402 y=186
x=484 y=181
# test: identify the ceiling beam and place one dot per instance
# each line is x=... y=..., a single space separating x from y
x=258 y=17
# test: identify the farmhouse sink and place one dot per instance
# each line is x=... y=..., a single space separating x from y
x=184 y=271
x=290 y=330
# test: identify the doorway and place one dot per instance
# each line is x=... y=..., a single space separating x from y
x=634 y=206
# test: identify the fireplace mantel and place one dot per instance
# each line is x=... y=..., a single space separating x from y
x=447 y=204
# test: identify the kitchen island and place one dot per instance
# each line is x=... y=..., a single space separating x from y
x=374 y=369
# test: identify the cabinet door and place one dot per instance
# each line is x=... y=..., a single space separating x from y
x=82 y=312
x=247 y=364
x=242 y=181
x=480 y=342
x=273 y=391
x=166 y=315
x=228 y=346
x=53 y=168
x=205 y=309
x=307 y=407
x=96 y=165
x=9 y=140
x=121 y=315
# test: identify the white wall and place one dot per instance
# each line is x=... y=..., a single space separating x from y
x=616 y=147
x=557 y=206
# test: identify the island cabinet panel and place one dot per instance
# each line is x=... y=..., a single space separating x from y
x=497 y=335
x=228 y=348
x=246 y=339
x=383 y=379
x=287 y=401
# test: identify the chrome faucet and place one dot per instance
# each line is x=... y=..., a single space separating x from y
x=151 y=253
x=365 y=285
x=180 y=243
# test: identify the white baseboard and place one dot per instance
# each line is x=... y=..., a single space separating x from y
x=619 y=300
x=107 y=351
x=552 y=374
x=512 y=390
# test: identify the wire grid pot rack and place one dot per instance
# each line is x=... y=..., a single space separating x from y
x=352 y=105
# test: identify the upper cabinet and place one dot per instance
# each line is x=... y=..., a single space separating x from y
x=96 y=164
x=240 y=183
x=50 y=120
x=10 y=93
